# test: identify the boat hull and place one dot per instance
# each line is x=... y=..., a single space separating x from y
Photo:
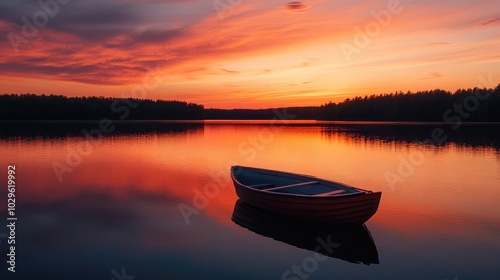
x=349 y=209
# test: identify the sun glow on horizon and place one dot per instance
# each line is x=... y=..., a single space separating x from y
x=256 y=54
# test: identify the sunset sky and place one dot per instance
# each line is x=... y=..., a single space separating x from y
x=242 y=53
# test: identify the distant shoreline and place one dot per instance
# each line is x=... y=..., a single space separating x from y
x=246 y=122
x=435 y=106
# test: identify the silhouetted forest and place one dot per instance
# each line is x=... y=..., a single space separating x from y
x=467 y=105
x=298 y=113
x=57 y=107
x=471 y=105
x=464 y=105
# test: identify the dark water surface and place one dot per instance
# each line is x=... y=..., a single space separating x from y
x=110 y=207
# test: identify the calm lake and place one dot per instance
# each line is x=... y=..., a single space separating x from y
x=154 y=200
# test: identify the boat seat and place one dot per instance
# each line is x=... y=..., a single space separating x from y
x=330 y=193
x=262 y=186
x=293 y=185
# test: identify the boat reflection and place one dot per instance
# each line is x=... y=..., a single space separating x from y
x=351 y=243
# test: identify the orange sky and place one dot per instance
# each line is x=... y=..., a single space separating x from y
x=251 y=54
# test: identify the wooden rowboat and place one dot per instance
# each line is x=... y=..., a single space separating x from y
x=303 y=196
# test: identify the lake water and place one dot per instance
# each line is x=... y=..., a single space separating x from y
x=110 y=207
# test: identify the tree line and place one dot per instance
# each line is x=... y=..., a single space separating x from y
x=463 y=105
x=472 y=105
x=297 y=113
x=58 y=107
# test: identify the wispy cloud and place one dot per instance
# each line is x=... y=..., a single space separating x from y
x=439 y=43
x=490 y=22
x=433 y=75
x=260 y=48
x=296 y=6
x=229 y=71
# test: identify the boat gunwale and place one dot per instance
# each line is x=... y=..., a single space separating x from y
x=266 y=171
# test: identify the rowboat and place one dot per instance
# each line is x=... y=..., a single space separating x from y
x=303 y=196
x=350 y=242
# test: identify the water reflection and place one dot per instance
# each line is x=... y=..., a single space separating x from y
x=353 y=243
x=62 y=129
x=120 y=206
x=469 y=135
